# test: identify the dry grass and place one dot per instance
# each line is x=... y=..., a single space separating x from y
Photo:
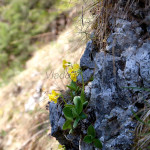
x=143 y=130
x=20 y=126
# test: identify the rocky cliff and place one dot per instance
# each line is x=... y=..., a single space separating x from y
x=125 y=62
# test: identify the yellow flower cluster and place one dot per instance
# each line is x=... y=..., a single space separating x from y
x=53 y=97
x=65 y=64
x=72 y=70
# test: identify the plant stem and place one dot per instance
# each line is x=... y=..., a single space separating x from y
x=82 y=80
x=63 y=98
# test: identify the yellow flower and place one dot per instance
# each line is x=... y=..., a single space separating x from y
x=53 y=97
x=54 y=93
x=74 y=77
x=76 y=67
x=65 y=64
x=70 y=70
x=73 y=71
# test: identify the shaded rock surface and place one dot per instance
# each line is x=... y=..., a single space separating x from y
x=109 y=98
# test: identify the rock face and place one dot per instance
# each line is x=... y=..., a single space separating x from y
x=109 y=98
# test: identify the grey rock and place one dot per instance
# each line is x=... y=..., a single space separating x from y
x=86 y=60
x=88 y=90
x=61 y=122
x=112 y=102
x=54 y=117
x=139 y=30
x=74 y=140
x=123 y=37
x=84 y=146
x=131 y=72
x=87 y=76
x=148 y=30
x=143 y=57
x=124 y=64
x=147 y=19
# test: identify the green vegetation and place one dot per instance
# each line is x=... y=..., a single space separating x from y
x=73 y=114
x=20 y=21
x=90 y=137
x=74 y=111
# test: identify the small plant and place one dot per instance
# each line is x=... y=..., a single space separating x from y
x=91 y=137
x=74 y=113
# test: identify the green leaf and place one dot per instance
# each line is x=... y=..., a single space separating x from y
x=68 y=113
x=73 y=86
x=76 y=99
x=78 y=104
x=75 y=124
x=87 y=139
x=71 y=106
x=83 y=115
x=85 y=104
x=91 y=131
x=70 y=87
x=74 y=112
x=91 y=79
x=78 y=89
x=67 y=125
x=136 y=116
x=82 y=96
x=97 y=143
